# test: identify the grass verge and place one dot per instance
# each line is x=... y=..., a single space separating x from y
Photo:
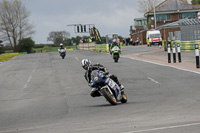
x=6 y=57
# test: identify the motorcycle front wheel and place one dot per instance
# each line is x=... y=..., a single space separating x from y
x=116 y=57
x=63 y=56
x=109 y=97
x=124 y=98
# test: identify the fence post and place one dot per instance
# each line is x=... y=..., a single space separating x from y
x=179 y=52
x=197 y=55
x=174 y=53
x=169 y=52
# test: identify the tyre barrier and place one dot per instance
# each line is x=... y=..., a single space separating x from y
x=87 y=46
x=102 y=47
x=184 y=45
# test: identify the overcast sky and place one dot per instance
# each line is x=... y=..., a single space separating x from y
x=109 y=16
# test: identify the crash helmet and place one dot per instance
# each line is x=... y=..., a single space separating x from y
x=114 y=41
x=86 y=64
x=61 y=46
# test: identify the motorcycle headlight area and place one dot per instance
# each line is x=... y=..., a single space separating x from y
x=96 y=78
x=101 y=75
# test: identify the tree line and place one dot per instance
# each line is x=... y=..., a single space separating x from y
x=195 y=2
x=14 y=23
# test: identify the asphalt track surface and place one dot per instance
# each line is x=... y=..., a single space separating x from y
x=42 y=93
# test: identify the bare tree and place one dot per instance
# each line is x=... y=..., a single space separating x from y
x=147 y=5
x=14 y=22
x=58 y=36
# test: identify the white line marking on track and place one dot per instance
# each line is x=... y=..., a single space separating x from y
x=29 y=78
x=163 y=128
x=162 y=65
x=77 y=59
x=153 y=80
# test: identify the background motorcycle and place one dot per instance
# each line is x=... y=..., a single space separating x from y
x=108 y=88
x=116 y=53
x=63 y=53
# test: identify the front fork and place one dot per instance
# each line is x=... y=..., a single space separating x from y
x=115 y=88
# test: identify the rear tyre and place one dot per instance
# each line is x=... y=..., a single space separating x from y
x=109 y=97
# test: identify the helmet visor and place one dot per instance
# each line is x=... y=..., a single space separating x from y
x=85 y=66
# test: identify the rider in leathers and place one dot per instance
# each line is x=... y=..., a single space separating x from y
x=61 y=47
x=86 y=64
x=114 y=43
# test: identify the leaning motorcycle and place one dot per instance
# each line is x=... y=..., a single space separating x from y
x=62 y=53
x=115 y=51
x=107 y=87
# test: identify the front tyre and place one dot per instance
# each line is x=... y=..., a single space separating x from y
x=124 y=98
x=116 y=57
x=109 y=97
x=63 y=56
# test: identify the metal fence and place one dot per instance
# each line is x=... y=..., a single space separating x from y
x=190 y=32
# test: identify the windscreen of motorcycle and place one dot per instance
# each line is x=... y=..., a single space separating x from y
x=62 y=50
x=95 y=77
x=115 y=48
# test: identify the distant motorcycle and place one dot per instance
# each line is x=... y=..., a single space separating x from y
x=115 y=51
x=62 y=53
x=107 y=87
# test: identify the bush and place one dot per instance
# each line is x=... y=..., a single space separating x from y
x=26 y=45
x=39 y=45
x=1 y=49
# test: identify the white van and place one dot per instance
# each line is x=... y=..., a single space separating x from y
x=153 y=37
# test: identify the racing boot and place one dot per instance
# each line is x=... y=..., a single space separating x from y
x=122 y=89
x=95 y=93
x=121 y=86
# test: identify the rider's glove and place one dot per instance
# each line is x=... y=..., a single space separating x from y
x=91 y=84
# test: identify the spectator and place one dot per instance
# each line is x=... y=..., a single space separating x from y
x=140 y=42
x=134 y=42
x=90 y=40
x=131 y=41
x=118 y=40
x=137 y=41
x=123 y=41
x=127 y=41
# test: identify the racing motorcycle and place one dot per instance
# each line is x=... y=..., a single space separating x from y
x=62 y=53
x=115 y=51
x=107 y=87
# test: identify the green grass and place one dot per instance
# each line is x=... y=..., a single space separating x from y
x=53 y=49
x=8 y=56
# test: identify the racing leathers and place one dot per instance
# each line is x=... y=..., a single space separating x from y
x=61 y=47
x=112 y=45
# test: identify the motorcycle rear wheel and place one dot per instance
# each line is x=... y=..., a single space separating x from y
x=109 y=97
